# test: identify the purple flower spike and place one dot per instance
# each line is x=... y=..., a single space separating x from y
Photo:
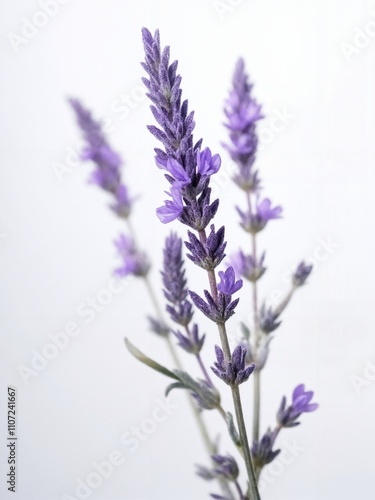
x=218 y=311
x=245 y=266
x=175 y=131
x=227 y=467
x=242 y=113
x=108 y=163
x=191 y=343
x=207 y=255
x=134 y=262
x=287 y=416
x=262 y=451
x=206 y=163
x=255 y=222
x=232 y=372
x=172 y=209
x=228 y=284
x=268 y=319
x=301 y=274
x=174 y=281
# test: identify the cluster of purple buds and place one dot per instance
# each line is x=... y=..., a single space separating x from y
x=234 y=371
x=134 y=261
x=301 y=274
x=247 y=267
x=301 y=403
x=159 y=327
x=262 y=451
x=108 y=163
x=242 y=113
x=175 y=291
x=264 y=212
x=209 y=254
x=220 y=308
x=191 y=342
x=226 y=467
x=268 y=319
x=188 y=169
x=174 y=281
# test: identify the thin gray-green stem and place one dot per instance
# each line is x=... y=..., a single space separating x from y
x=256 y=375
x=253 y=489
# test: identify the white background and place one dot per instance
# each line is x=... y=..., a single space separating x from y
x=56 y=247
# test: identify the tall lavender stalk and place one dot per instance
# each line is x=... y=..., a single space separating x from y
x=242 y=113
x=188 y=169
x=135 y=262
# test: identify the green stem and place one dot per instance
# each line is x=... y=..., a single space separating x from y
x=256 y=375
x=235 y=390
x=254 y=494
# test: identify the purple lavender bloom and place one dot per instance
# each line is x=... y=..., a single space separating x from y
x=245 y=266
x=226 y=467
x=176 y=170
x=219 y=310
x=174 y=281
x=287 y=416
x=98 y=150
x=268 y=319
x=262 y=451
x=134 y=262
x=210 y=253
x=192 y=206
x=228 y=284
x=172 y=209
x=301 y=274
x=191 y=342
x=158 y=327
x=107 y=174
x=255 y=222
x=233 y=372
x=206 y=163
x=242 y=113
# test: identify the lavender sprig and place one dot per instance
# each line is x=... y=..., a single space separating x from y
x=190 y=194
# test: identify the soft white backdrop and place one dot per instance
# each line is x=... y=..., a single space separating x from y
x=56 y=237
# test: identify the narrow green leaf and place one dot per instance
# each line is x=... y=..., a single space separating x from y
x=134 y=351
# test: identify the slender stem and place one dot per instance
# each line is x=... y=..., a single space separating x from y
x=256 y=405
x=256 y=375
x=204 y=371
x=153 y=298
x=245 y=444
x=280 y=308
x=235 y=390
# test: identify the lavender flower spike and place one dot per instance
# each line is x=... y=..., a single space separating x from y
x=188 y=168
x=262 y=451
x=226 y=467
x=301 y=274
x=134 y=262
x=242 y=114
x=233 y=372
x=107 y=174
x=287 y=416
x=255 y=222
x=247 y=267
x=174 y=281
